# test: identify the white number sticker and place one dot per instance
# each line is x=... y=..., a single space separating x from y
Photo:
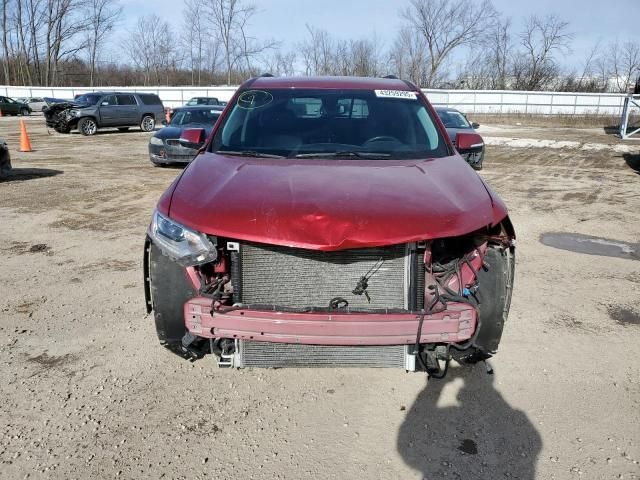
x=403 y=94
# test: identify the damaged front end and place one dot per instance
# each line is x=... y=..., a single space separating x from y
x=413 y=306
x=61 y=116
x=5 y=159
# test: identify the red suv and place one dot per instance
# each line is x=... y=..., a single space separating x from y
x=330 y=221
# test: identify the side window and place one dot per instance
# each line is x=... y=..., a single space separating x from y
x=150 y=99
x=429 y=127
x=126 y=100
x=109 y=100
x=353 y=108
x=306 y=107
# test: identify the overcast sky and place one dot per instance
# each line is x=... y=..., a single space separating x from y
x=284 y=20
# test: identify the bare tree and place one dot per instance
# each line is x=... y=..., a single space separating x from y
x=447 y=25
x=324 y=55
x=488 y=63
x=5 y=41
x=318 y=52
x=62 y=23
x=230 y=22
x=194 y=36
x=151 y=49
x=281 y=63
x=102 y=16
x=364 y=57
x=408 y=56
x=541 y=38
x=587 y=80
x=624 y=61
x=499 y=45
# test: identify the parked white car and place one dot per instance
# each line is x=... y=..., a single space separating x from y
x=37 y=104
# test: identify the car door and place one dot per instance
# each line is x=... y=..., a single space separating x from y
x=108 y=111
x=37 y=104
x=9 y=106
x=127 y=110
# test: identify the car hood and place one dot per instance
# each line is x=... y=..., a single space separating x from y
x=331 y=204
x=174 y=132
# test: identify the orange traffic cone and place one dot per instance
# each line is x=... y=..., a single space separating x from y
x=0 y=112
x=25 y=143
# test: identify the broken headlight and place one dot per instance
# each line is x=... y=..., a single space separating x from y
x=187 y=247
x=156 y=141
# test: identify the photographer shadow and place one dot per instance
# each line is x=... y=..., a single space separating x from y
x=461 y=427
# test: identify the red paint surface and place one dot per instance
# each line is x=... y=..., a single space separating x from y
x=364 y=83
x=456 y=324
x=332 y=204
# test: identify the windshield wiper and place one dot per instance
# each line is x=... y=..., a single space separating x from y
x=344 y=154
x=248 y=153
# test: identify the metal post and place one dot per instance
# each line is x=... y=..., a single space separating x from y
x=630 y=103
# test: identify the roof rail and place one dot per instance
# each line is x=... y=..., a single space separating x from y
x=410 y=84
x=392 y=77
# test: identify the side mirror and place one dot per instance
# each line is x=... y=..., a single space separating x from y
x=469 y=141
x=193 y=138
x=475 y=125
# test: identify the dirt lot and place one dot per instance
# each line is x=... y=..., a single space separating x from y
x=87 y=392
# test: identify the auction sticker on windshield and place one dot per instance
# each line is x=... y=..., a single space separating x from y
x=403 y=94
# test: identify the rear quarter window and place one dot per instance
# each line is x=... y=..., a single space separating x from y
x=150 y=99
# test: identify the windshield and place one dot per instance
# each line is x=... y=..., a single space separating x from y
x=453 y=119
x=202 y=101
x=332 y=123
x=200 y=116
x=88 y=99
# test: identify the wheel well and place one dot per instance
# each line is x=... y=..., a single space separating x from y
x=91 y=117
x=148 y=115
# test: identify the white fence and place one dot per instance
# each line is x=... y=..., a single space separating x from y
x=468 y=101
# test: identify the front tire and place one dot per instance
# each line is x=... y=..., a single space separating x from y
x=24 y=112
x=148 y=123
x=169 y=289
x=496 y=284
x=88 y=126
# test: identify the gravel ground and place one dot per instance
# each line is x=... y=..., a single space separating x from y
x=87 y=392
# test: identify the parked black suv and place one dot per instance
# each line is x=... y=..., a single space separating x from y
x=95 y=110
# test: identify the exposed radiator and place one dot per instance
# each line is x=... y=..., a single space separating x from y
x=280 y=355
x=299 y=278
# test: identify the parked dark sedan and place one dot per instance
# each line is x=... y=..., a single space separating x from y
x=202 y=101
x=9 y=106
x=164 y=146
x=456 y=122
